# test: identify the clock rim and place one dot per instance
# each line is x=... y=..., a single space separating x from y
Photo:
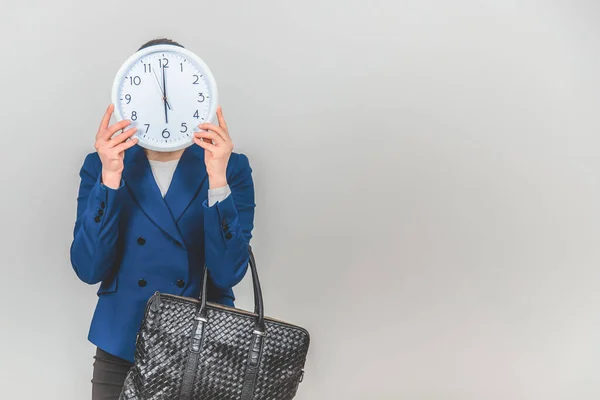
x=131 y=60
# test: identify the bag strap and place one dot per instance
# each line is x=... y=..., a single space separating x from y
x=254 y=355
x=258 y=299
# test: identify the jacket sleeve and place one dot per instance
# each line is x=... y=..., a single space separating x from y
x=228 y=228
x=93 y=250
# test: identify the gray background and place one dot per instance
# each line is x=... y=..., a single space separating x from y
x=426 y=185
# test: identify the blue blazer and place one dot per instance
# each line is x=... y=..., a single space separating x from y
x=135 y=242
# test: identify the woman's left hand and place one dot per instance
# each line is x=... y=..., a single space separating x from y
x=217 y=147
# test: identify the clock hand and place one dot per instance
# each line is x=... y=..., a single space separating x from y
x=162 y=94
x=165 y=95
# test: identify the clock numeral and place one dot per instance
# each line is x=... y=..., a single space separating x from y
x=147 y=127
x=135 y=80
x=181 y=66
x=163 y=62
x=196 y=114
x=128 y=98
x=196 y=81
x=133 y=115
x=183 y=125
x=147 y=67
x=165 y=133
x=201 y=97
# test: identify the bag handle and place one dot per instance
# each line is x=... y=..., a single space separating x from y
x=258 y=299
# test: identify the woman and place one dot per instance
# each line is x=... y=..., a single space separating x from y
x=148 y=221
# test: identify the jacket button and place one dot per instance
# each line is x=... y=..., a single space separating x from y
x=102 y=204
x=177 y=243
x=225 y=228
x=228 y=236
x=142 y=282
x=141 y=241
x=97 y=218
x=100 y=212
x=180 y=283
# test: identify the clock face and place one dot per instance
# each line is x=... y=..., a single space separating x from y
x=165 y=91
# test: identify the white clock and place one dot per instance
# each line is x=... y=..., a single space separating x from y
x=166 y=91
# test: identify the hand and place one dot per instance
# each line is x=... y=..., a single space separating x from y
x=162 y=93
x=217 y=146
x=112 y=150
x=165 y=95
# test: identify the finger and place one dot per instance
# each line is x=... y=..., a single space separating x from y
x=210 y=147
x=124 y=146
x=221 y=119
x=210 y=135
x=212 y=127
x=120 y=138
x=111 y=130
x=106 y=118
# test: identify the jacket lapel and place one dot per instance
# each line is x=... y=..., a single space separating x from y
x=142 y=186
x=187 y=180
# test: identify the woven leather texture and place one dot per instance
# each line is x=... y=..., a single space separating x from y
x=162 y=349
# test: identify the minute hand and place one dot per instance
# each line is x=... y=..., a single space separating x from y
x=165 y=94
x=162 y=93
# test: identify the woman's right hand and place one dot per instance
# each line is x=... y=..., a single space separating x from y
x=112 y=149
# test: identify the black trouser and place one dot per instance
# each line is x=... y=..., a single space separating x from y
x=108 y=376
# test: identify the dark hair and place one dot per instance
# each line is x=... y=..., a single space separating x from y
x=154 y=42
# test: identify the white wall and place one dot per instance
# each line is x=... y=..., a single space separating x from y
x=426 y=186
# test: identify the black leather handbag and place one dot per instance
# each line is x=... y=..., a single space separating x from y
x=189 y=349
